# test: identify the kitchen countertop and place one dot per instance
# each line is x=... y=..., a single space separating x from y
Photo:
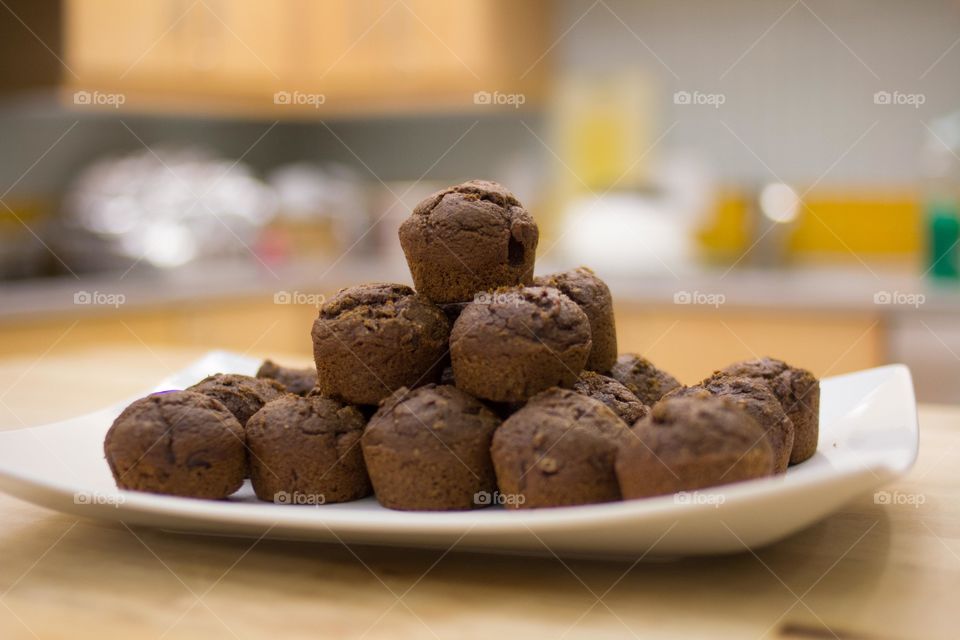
x=870 y=571
x=837 y=289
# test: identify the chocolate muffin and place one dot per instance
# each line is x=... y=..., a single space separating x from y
x=470 y=237
x=242 y=395
x=558 y=450
x=307 y=451
x=689 y=443
x=525 y=340
x=754 y=397
x=429 y=450
x=593 y=295
x=372 y=339
x=621 y=400
x=640 y=376
x=298 y=381
x=178 y=443
x=799 y=393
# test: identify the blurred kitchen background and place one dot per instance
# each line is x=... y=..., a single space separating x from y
x=751 y=177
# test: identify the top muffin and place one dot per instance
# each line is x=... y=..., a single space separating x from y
x=471 y=237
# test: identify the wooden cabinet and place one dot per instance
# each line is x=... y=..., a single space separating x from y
x=177 y=46
x=236 y=55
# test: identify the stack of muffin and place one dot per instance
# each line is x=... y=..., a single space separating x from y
x=485 y=385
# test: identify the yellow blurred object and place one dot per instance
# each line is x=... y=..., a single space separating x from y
x=602 y=128
x=727 y=232
x=862 y=223
x=835 y=223
x=22 y=253
x=20 y=211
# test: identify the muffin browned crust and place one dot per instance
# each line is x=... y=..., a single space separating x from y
x=179 y=443
x=754 y=397
x=524 y=340
x=467 y=238
x=429 y=449
x=621 y=400
x=558 y=450
x=307 y=451
x=645 y=380
x=370 y=340
x=593 y=296
x=242 y=395
x=692 y=442
x=298 y=381
x=799 y=393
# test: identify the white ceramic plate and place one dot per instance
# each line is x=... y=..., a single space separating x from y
x=868 y=436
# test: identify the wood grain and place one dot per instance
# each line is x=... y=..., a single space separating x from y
x=869 y=571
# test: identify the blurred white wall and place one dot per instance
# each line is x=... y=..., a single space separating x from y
x=798 y=77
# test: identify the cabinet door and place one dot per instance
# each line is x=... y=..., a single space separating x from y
x=177 y=46
x=387 y=48
x=113 y=39
x=375 y=55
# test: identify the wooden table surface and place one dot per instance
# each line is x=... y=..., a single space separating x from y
x=870 y=571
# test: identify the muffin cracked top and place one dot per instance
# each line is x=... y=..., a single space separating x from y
x=473 y=190
x=471 y=237
x=535 y=314
x=375 y=300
